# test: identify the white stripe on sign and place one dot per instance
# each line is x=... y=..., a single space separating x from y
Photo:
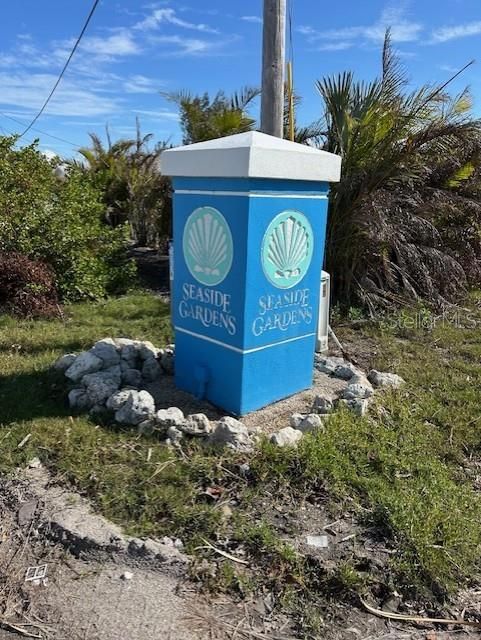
x=237 y=349
x=249 y=194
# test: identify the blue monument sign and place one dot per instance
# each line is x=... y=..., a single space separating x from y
x=249 y=233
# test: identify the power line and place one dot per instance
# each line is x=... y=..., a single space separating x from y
x=50 y=135
x=7 y=132
x=89 y=17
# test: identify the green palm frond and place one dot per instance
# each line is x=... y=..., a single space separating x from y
x=242 y=99
x=461 y=175
x=203 y=117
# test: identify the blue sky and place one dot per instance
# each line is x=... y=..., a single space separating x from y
x=134 y=51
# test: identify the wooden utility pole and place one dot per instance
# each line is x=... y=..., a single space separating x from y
x=273 y=62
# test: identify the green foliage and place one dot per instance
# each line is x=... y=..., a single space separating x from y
x=127 y=173
x=460 y=175
x=204 y=118
x=60 y=223
x=382 y=246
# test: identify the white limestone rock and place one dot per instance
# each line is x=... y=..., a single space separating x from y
x=35 y=463
x=118 y=399
x=358 y=387
x=112 y=373
x=83 y=364
x=327 y=364
x=345 y=371
x=129 y=351
x=172 y=542
x=312 y=422
x=64 y=362
x=286 y=437
x=151 y=370
x=132 y=378
x=124 y=342
x=101 y=385
x=171 y=417
x=147 y=427
x=323 y=404
x=167 y=360
x=174 y=435
x=197 y=424
x=384 y=380
x=139 y=407
x=335 y=366
x=320 y=542
x=78 y=400
x=147 y=350
x=231 y=433
x=359 y=406
x=107 y=351
x=296 y=420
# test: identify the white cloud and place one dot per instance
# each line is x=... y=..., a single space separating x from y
x=93 y=52
x=161 y=114
x=444 y=34
x=169 y=16
x=255 y=19
x=90 y=90
x=336 y=46
x=141 y=84
x=71 y=98
x=187 y=46
x=402 y=30
x=118 y=44
x=27 y=115
x=8 y=61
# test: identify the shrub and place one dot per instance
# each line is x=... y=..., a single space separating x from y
x=61 y=224
x=27 y=287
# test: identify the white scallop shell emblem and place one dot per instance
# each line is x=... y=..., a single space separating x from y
x=287 y=249
x=208 y=246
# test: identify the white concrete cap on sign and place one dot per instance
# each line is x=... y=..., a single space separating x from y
x=251 y=155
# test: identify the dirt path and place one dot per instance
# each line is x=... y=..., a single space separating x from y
x=96 y=596
x=97 y=588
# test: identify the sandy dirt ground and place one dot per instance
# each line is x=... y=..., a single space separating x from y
x=271 y=418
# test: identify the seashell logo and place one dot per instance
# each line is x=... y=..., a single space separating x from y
x=287 y=249
x=207 y=245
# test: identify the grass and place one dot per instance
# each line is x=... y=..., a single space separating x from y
x=406 y=469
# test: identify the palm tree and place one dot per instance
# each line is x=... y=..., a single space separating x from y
x=107 y=165
x=134 y=191
x=204 y=118
x=389 y=139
